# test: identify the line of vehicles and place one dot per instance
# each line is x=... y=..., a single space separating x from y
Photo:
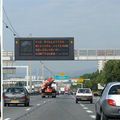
x=21 y=95
x=107 y=106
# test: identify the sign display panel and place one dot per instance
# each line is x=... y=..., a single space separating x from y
x=9 y=70
x=44 y=48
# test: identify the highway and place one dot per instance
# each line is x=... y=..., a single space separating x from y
x=61 y=108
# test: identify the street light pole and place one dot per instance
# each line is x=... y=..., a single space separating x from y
x=30 y=76
x=42 y=71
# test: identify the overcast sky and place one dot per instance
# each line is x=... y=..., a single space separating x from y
x=93 y=24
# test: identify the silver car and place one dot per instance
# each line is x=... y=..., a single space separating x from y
x=108 y=106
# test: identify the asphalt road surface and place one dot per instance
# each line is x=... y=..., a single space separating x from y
x=61 y=108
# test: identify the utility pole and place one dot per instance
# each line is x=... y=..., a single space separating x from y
x=30 y=76
x=42 y=71
x=30 y=71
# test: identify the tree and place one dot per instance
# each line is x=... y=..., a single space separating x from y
x=110 y=73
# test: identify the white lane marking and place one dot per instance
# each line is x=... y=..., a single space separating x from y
x=38 y=104
x=89 y=111
x=7 y=119
x=93 y=116
x=28 y=109
x=82 y=105
x=85 y=108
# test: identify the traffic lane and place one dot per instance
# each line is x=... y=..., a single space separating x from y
x=61 y=108
x=90 y=108
x=13 y=111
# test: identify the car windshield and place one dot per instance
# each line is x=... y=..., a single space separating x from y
x=84 y=91
x=15 y=90
x=114 y=90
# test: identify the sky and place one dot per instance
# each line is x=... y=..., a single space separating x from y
x=94 y=24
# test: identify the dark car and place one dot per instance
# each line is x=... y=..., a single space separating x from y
x=108 y=106
x=16 y=95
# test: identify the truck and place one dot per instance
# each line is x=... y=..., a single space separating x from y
x=47 y=89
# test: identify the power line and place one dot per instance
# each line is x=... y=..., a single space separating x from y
x=9 y=28
x=10 y=22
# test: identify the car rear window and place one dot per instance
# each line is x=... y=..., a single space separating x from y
x=15 y=90
x=84 y=91
x=114 y=90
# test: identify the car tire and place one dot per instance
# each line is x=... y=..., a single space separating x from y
x=76 y=101
x=25 y=104
x=103 y=116
x=5 y=104
x=43 y=96
x=91 y=101
x=98 y=117
x=28 y=104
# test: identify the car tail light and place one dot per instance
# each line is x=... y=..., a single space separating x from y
x=5 y=97
x=24 y=97
x=111 y=102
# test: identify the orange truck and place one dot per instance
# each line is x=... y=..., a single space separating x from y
x=47 y=89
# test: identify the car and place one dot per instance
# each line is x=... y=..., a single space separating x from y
x=67 y=92
x=108 y=106
x=84 y=94
x=16 y=95
x=57 y=92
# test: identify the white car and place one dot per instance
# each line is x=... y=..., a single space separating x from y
x=84 y=94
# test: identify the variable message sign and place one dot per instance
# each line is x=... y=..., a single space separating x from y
x=61 y=48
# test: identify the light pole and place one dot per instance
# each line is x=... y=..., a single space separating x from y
x=42 y=71
x=30 y=76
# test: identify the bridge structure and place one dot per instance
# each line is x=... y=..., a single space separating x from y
x=96 y=55
x=99 y=55
x=82 y=54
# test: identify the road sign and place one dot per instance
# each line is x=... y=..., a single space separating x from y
x=9 y=70
x=80 y=80
x=58 y=77
x=62 y=74
x=60 y=48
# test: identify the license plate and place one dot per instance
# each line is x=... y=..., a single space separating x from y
x=14 y=101
x=83 y=98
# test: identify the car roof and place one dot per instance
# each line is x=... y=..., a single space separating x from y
x=113 y=83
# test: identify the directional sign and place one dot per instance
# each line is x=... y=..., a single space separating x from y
x=62 y=73
x=9 y=70
x=60 y=48
x=58 y=77
x=80 y=80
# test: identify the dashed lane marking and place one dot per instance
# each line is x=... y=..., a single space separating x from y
x=82 y=105
x=85 y=108
x=7 y=119
x=89 y=111
x=38 y=104
x=28 y=109
x=92 y=116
